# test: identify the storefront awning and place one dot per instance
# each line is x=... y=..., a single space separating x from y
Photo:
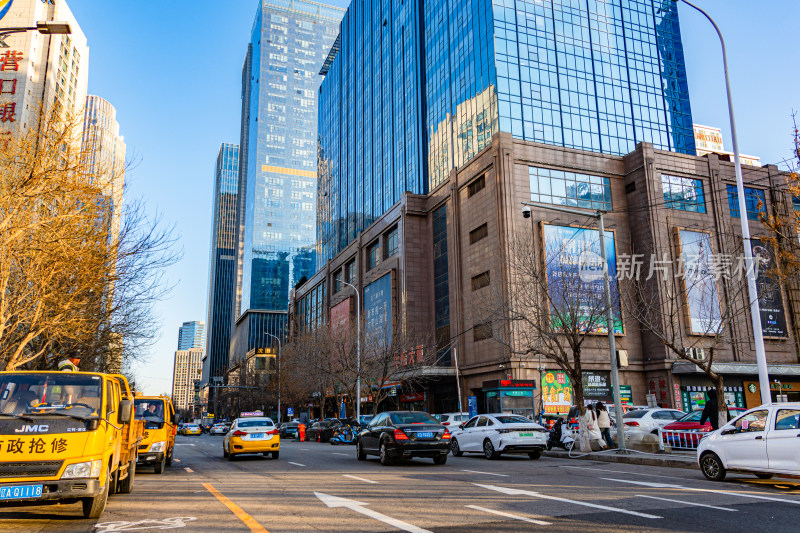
x=427 y=372
x=751 y=369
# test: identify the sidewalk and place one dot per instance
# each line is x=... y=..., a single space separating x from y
x=674 y=460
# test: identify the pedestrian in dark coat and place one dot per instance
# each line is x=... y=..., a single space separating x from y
x=711 y=410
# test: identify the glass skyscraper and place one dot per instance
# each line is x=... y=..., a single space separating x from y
x=278 y=160
x=222 y=263
x=192 y=335
x=416 y=89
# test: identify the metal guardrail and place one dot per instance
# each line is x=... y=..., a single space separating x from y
x=679 y=439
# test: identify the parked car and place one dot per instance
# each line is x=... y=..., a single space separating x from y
x=762 y=441
x=322 y=431
x=365 y=419
x=649 y=420
x=289 y=429
x=218 y=429
x=252 y=435
x=452 y=419
x=496 y=434
x=404 y=435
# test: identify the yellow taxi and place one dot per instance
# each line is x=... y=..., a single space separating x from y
x=256 y=434
x=192 y=429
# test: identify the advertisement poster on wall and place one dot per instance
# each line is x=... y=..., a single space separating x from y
x=770 y=301
x=700 y=284
x=575 y=276
x=378 y=309
x=597 y=386
x=556 y=392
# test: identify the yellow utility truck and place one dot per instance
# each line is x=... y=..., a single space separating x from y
x=66 y=437
x=158 y=444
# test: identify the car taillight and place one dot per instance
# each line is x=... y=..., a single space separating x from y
x=445 y=423
x=446 y=434
x=400 y=435
x=632 y=424
x=239 y=433
x=274 y=432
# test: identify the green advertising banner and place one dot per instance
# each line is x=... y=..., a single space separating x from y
x=556 y=392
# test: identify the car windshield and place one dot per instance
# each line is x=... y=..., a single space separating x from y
x=255 y=423
x=41 y=394
x=151 y=411
x=635 y=414
x=412 y=418
x=508 y=419
x=694 y=416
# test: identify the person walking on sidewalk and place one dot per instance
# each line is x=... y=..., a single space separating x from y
x=604 y=423
x=595 y=436
x=711 y=410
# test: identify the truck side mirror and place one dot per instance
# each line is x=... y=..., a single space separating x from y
x=125 y=411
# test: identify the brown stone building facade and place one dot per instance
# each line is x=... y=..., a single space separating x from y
x=439 y=257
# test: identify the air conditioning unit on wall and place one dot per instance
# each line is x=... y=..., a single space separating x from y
x=698 y=354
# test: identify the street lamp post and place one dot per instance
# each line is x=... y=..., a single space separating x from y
x=358 y=352
x=612 y=341
x=280 y=413
x=45 y=27
x=752 y=291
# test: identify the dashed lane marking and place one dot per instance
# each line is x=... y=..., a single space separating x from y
x=485 y=473
x=248 y=520
x=177 y=460
x=509 y=515
x=342 y=454
x=188 y=469
x=296 y=464
x=726 y=492
x=620 y=472
x=687 y=503
x=360 y=479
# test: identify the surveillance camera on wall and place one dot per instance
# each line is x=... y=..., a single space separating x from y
x=526 y=212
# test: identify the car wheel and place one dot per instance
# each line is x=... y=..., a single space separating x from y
x=168 y=462
x=159 y=466
x=489 y=451
x=224 y=451
x=455 y=448
x=385 y=459
x=360 y=455
x=535 y=454
x=230 y=456
x=764 y=476
x=549 y=446
x=126 y=485
x=275 y=455
x=440 y=459
x=712 y=467
x=93 y=507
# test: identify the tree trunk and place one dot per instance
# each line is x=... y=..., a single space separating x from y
x=721 y=406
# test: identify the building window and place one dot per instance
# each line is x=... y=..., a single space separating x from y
x=441 y=285
x=752 y=199
x=569 y=189
x=350 y=272
x=476 y=186
x=683 y=194
x=373 y=255
x=482 y=331
x=390 y=243
x=480 y=281
x=478 y=233
x=337 y=280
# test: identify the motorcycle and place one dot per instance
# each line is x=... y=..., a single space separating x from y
x=344 y=435
x=560 y=436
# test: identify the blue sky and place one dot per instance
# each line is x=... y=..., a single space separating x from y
x=173 y=72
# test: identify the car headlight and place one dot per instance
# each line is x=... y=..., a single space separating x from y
x=158 y=446
x=81 y=470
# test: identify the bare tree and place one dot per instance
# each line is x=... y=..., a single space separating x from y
x=72 y=280
x=553 y=303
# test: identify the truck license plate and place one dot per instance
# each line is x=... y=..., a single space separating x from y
x=17 y=492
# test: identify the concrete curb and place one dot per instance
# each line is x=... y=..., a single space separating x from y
x=634 y=459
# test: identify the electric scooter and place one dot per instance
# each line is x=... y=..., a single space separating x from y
x=344 y=435
x=560 y=436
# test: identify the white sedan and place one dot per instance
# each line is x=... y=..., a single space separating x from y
x=650 y=420
x=218 y=429
x=495 y=434
x=764 y=441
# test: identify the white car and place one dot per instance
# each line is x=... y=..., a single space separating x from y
x=452 y=419
x=650 y=420
x=218 y=429
x=496 y=434
x=764 y=441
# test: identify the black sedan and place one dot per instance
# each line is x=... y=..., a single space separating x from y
x=322 y=431
x=289 y=430
x=403 y=435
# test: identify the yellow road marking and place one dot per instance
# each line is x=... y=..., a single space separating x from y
x=248 y=520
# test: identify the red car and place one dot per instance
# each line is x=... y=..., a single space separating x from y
x=690 y=423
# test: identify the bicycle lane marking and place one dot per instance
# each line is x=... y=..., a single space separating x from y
x=248 y=520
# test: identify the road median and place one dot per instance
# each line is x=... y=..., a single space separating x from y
x=631 y=457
